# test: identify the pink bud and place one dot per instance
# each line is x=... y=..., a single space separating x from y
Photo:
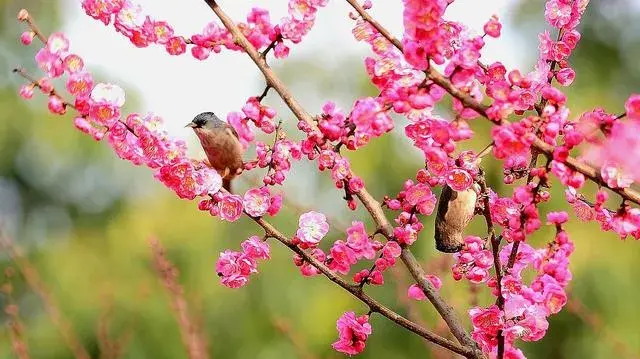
x=26 y=91
x=56 y=105
x=23 y=15
x=566 y=76
x=27 y=37
x=493 y=27
x=200 y=53
x=414 y=292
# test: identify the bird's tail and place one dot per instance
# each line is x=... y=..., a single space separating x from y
x=226 y=184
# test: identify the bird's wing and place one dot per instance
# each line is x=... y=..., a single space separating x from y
x=233 y=131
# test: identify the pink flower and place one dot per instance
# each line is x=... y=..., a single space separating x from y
x=50 y=63
x=230 y=207
x=200 y=53
x=257 y=201
x=632 y=107
x=359 y=241
x=256 y=248
x=459 y=180
x=493 y=27
x=234 y=268
x=312 y=227
x=415 y=292
x=557 y=13
x=108 y=93
x=419 y=193
x=566 y=76
x=352 y=333
x=342 y=257
x=176 y=45
x=57 y=43
x=275 y=204
x=614 y=177
x=557 y=217
x=56 y=105
x=102 y=9
x=306 y=268
x=370 y=118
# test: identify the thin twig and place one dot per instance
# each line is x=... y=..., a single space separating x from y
x=36 y=284
x=168 y=273
x=32 y=25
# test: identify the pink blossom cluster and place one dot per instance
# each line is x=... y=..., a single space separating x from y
x=619 y=170
x=138 y=139
x=416 y=198
x=625 y=221
x=256 y=202
x=473 y=262
x=343 y=254
x=518 y=215
x=142 y=30
x=262 y=116
x=276 y=159
x=234 y=268
x=315 y=146
x=425 y=34
x=526 y=308
x=353 y=333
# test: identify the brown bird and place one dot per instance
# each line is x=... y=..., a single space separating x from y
x=455 y=211
x=221 y=145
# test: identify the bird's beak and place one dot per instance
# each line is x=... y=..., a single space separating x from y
x=191 y=124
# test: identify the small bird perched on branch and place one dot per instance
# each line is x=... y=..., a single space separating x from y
x=455 y=211
x=221 y=145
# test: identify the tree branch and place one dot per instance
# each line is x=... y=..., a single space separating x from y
x=373 y=206
x=588 y=171
x=357 y=292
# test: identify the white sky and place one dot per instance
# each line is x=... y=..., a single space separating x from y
x=177 y=88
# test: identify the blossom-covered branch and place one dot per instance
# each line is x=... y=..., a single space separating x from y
x=372 y=206
x=356 y=291
x=530 y=119
x=469 y=102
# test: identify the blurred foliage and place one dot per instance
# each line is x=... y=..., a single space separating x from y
x=85 y=218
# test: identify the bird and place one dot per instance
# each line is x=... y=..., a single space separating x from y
x=221 y=144
x=455 y=211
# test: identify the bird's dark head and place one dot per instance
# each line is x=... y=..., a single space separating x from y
x=206 y=120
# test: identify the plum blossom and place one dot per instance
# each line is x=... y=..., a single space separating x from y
x=312 y=227
x=352 y=333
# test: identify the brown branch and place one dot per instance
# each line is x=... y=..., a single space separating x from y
x=356 y=291
x=588 y=171
x=20 y=71
x=24 y=74
x=36 y=284
x=495 y=248
x=373 y=206
x=168 y=273
x=16 y=328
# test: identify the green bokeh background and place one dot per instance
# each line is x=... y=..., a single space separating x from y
x=84 y=220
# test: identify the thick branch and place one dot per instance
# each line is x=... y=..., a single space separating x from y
x=373 y=206
x=469 y=102
x=357 y=292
